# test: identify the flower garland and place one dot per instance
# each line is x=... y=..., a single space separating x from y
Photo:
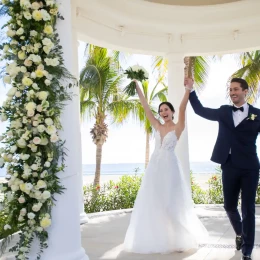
x=33 y=152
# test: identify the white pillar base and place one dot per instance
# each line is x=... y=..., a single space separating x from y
x=83 y=218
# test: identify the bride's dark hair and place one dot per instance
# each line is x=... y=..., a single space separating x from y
x=168 y=104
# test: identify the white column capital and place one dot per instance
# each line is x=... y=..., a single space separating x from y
x=175 y=58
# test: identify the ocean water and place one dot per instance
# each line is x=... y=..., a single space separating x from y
x=132 y=168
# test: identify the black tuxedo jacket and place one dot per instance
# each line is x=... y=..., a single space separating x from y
x=240 y=139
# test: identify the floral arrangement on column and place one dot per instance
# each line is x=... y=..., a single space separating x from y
x=33 y=153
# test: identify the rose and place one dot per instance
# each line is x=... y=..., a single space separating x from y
x=21 y=143
x=48 y=29
x=39 y=73
x=27 y=63
x=30 y=106
x=27 y=81
x=31 y=215
x=46 y=195
x=21 y=199
x=48 y=121
x=21 y=55
x=20 y=31
x=45 y=222
x=24 y=157
x=41 y=184
x=51 y=129
x=37 y=15
x=23 y=212
x=45 y=15
x=42 y=95
x=36 y=140
x=27 y=15
x=34 y=167
x=47 y=164
x=44 y=141
x=37 y=207
x=35 y=5
x=11 y=92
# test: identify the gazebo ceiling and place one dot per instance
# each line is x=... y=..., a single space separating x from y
x=191 y=2
x=141 y=26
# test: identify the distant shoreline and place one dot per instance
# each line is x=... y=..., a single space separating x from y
x=200 y=178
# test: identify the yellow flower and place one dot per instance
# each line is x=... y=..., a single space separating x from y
x=27 y=81
x=48 y=29
x=54 y=11
x=39 y=73
x=45 y=222
x=37 y=15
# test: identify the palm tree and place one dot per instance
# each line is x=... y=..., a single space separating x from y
x=100 y=96
x=250 y=71
x=196 y=67
x=151 y=97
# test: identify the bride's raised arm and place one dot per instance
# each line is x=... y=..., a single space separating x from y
x=154 y=122
x=181 y=120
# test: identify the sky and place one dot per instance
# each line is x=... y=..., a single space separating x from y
x=126 y=143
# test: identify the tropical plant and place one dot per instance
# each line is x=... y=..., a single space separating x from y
x=196 y=67
x=101 y=96
x=250 y=71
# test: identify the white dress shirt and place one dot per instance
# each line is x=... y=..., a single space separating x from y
x=239 y=116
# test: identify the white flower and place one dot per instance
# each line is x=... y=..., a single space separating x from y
x=47 y=42
x=35 y=86
x=45 y=15
x=11 y=92
x=30 y=106
x=48 y=121
x=14 y=188
x=20 y=31
x=49 y=2
x=36 y=140
x=31 y=215
x=37 y=15
x=21 y=199
x=20 y=218
x=21 y=143
x=33 y=33
x=35 y=123
x=47 y=164
x=48 y=29
x=21 y=55
x=47 y=49
x=39 y=108
x=51 y=129
x=44 y=141
x=30 y=113
x=6 y=48
x=7 y=79
x=25 y=3
x=23 y=212
x=39 y=229
x=54 y=138
x=23 y=69
x=6 y=227
x=41 y=128
x=27 y=81
x=45 y=222
x=24 y=157
x=41 y=184
x=47 y=82
x=13 y=148
x=27 y=15
x=27 y=63
x=46 y=195
x=35 y=6
x=34 y=167
x=42 y=95
x=52 y=62
x=10 y=33
x=37 y=207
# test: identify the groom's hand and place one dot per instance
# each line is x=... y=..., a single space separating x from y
x=188 y=83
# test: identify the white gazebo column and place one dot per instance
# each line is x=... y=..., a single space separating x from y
x=64 y=234
x=75 y=71
x=175 y=95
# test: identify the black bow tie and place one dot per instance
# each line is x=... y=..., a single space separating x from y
x=237 y=108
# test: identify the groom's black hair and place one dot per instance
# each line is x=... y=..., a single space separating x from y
x=242 y=82
x=168 y=104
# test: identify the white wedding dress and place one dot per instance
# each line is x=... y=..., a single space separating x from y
x=163 y=219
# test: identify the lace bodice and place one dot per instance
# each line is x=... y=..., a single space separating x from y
x=167 y=143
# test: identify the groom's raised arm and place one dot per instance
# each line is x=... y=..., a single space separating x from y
x=205 y=112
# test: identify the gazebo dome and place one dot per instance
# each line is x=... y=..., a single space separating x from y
x=158 y=27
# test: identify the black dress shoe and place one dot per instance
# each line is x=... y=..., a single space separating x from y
x=238 y=242
x=246 y=258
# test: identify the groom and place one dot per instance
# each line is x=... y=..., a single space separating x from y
x=235 y=150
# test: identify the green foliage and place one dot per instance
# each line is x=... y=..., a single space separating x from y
x=199 y=196
x=112 y=195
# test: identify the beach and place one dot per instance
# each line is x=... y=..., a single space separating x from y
x=199 y=178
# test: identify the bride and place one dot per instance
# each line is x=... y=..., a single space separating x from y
x=163 y=218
